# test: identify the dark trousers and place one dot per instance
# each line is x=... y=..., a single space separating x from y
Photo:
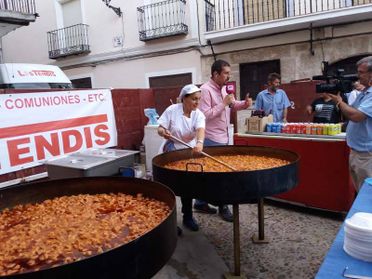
x=208 y=142
x=186 y=202
x=186 y=207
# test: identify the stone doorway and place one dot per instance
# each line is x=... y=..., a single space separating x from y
x=253 y=76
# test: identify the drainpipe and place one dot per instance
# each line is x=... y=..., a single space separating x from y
x=1 y=50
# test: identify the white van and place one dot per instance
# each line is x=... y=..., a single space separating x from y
x=32 y=76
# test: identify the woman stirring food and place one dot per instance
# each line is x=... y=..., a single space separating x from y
x=186 y=122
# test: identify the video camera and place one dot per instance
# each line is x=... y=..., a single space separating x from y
x=334 y=83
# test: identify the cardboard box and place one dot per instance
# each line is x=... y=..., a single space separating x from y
x=241 y=120
x=257 y=124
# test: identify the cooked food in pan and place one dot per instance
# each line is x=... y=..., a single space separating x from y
x=70 y=228
x=239 y=162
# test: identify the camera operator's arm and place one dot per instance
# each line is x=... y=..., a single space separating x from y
x=350 y=112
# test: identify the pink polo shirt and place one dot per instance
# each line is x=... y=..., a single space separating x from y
x=217 y=115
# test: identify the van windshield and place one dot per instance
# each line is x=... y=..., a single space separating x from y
x=36 y=85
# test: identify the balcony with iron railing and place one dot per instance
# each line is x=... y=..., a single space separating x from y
x=256 y=16
x=16 y=13
x=72 y=40
x=162 y=19
x=19 y=6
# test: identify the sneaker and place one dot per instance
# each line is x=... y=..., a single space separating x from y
x=205 y=208
x=225 y=213
x=191 y=224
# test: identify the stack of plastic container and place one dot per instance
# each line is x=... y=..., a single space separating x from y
x=358 y=236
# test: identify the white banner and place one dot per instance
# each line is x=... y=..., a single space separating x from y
x=36 y=127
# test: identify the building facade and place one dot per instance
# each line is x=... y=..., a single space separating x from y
x=15 y=14
x=141 y=44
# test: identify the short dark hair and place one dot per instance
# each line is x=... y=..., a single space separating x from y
x=218 y=65
x=273 y=76
x=366 y=60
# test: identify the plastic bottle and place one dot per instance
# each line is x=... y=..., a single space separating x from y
x=269 y=127
x=281 y=127
x=285 y=128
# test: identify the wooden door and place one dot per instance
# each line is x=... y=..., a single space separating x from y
x=82 y=82
x=167 y=89
x=253 y=76
x=170 y=80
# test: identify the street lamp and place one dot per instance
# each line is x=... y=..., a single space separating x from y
x=115 y=9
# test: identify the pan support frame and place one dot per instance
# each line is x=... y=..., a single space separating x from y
x=261 y=238
x=258 y=240
x=236 y=229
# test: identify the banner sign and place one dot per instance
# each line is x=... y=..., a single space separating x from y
x=36 y=127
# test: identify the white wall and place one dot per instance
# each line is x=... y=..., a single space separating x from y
x=135 y=73
x=103 y=23
x=29 y=44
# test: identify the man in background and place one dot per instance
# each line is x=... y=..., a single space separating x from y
x=216 y=105
x=273 y=100
x=324 y=110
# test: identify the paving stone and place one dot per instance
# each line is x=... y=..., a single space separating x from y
x=299 y=240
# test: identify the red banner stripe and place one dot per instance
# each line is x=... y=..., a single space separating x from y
x=51 y=126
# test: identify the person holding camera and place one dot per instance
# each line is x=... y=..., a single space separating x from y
x=359 y=129
x=273 y=100
x=325 y=110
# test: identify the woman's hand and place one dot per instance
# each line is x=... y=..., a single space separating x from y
x=164 y=133
x=198 y=148
x=167 y=134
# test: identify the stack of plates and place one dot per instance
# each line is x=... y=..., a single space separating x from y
x=358 y=236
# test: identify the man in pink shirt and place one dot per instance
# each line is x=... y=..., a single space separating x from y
x=216 y=105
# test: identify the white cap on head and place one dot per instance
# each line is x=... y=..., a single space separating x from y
x=187 y=90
